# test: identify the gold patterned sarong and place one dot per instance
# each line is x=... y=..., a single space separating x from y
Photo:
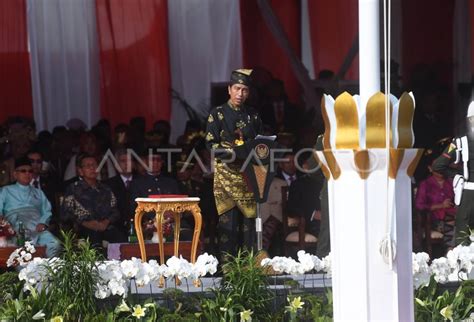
x=230 y=190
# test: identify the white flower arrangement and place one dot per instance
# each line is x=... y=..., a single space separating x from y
x=21 y=256
x=306 y=263
x=421 y=269
x=457 y=265
x=178 y=267
x=205 y=264
x=36 y=271
x=115 y=276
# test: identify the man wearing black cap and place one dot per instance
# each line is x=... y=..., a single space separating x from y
x=20 y=202
x=228 y=126
x=91 y=205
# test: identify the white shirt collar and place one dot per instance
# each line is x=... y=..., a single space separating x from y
x=33 y=181
x=287 y=177
x=124 y=178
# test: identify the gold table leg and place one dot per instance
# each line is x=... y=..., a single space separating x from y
x=177 y=228
x=159 y=228
x=159 y=210
x=138 y=228
x=196 y=211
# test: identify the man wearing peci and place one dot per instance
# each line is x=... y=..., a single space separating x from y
x=20 y=202
x=228 y=126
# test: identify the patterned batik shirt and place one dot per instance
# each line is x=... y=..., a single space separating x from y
x=83 y=202
x=225 y=125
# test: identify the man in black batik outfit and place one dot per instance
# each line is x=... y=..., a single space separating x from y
x=228 y=126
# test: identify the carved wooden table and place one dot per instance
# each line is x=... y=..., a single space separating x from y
x=176 y=206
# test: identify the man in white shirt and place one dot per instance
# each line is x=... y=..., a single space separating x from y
x=47 y=181
x=120 y=186
x=287 y=168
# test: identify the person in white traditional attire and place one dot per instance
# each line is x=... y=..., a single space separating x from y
x=20 y=202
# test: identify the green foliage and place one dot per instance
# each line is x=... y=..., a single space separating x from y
x=72 y=281
x=174 y=317
x=69 y=293
x=11 y=287
x=243 y=287
x=318 y=309
x=223 y=307
x=124 y=311
x=127 y=310
x=432 y=306
x=25 y=307
x=184 y=303
x=464 y=237
x=315 y=308
x=246 y=281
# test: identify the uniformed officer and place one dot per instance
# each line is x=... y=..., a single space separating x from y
x=461 y=153
x=228 y=126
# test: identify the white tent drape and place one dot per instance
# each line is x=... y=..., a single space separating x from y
x=462 y=49
x=64 y=61
x=205 y=46
x=306 y=50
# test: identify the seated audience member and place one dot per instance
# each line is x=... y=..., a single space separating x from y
x=120 y=186
x=20 y=202
x=153 y=181
x=20 y=138
x=186 y=184
x=63 y=147
x=88 y=144
x=192 y=128
x=45 y=180
x=91 y=205
x=121 y=137
x=277 y=111
x=271 y=212
x=162 y=129
x=435 y=194
x=287 y=169
x=137 y=126
x=304 y=199
x=286 y=140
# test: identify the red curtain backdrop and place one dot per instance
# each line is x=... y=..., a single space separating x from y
x=260 y=48
x=15 y=77
x=333 y=29
x=428 y=37
x=134 y=57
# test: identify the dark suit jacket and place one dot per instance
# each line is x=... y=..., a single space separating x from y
x=145 y=185
x=51 y=188
x=280 y=175
x=290 y=117
x=304 y=196
x=123 y=197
